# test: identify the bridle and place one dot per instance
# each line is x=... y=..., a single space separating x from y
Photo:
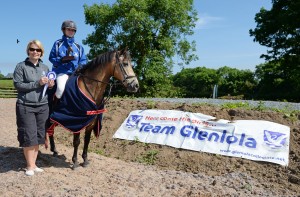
x=121 y=64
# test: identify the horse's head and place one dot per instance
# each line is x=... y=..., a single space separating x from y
x=123 y=71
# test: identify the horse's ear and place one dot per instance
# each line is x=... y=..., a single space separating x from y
x=123 y=51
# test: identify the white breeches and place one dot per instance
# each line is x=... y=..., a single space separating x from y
x=61 y=81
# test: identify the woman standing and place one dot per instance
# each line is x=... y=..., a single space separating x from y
x=30 y=78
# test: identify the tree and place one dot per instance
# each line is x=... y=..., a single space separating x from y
x=196 y=82
x=236 y=82
x=273 y=84
x=153 y=30
x=1 y=75
x=279 y=30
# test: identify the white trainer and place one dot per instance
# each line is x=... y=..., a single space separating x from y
x=37 y=169
x=29 y=172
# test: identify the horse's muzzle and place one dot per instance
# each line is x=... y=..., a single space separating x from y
x=132 y=84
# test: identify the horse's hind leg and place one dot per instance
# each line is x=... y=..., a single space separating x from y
x=87 y=139
x=50 y=133
x=76 y=142
x=52 y=146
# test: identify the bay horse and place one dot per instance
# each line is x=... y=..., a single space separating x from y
x=91 y=81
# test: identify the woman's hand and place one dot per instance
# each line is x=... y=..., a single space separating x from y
x=43 y=80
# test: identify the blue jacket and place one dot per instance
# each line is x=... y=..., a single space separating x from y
x=59 y=50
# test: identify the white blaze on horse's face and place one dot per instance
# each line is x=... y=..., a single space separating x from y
x=129 y=78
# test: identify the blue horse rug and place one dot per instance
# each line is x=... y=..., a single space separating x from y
x=75 y=111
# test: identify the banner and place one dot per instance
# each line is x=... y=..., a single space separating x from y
x=251 y=139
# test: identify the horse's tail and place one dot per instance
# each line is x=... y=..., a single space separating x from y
x=97 y=128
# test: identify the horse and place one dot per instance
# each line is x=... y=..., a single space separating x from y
x=92 y=81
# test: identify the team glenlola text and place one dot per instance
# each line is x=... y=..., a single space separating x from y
x=194 y=132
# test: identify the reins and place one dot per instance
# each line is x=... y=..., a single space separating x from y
x=125 y=76
x=104 y=101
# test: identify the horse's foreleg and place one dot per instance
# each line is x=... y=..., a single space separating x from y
x=87 y=139
x=76 y=142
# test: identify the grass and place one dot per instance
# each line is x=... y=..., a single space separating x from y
x=244 y=105
x=6 y=84
x=138 y=142
x=288 y=112
x=149 y=157
x=151 y=104
x=7 y=89
x=98 y=151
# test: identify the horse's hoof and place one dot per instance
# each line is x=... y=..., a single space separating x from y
x=85 y=164
x=55 y=154
x=74 y=166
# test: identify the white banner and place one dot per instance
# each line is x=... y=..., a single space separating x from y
x=252 y=139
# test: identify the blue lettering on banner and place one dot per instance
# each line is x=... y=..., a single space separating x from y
x=195 y=133
x=191 y=131
x=147 y=127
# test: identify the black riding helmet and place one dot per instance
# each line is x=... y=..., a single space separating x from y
x=68 y=24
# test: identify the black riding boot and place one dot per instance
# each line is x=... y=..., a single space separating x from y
x=55 y=102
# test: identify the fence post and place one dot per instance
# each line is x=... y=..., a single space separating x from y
x=215 y=92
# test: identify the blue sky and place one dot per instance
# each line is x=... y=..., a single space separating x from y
x=221 y=34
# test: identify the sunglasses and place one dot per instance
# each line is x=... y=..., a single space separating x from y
x=33 y=49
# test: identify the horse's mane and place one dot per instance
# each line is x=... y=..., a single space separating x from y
x=101 y=59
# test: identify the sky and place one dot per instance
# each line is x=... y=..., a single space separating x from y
x=221 y=33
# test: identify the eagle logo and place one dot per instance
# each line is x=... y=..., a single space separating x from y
x=133 y=121
x=275 y=140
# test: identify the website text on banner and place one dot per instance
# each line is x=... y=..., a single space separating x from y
x=251 y=139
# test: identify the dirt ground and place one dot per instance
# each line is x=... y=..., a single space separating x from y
x=117 y=167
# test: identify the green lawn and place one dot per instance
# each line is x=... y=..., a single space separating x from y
x=7 y=89
x=6 y=83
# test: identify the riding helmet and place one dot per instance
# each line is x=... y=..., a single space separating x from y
x=69 y=24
